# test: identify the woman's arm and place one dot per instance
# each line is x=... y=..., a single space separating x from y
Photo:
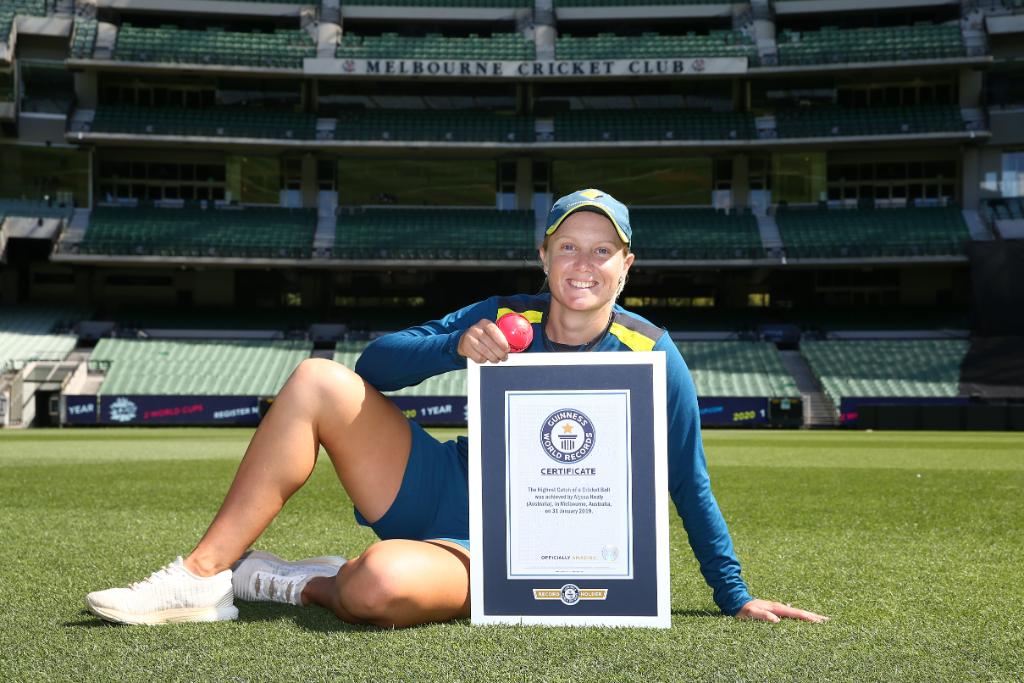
x=406 y=358
x=690 y=487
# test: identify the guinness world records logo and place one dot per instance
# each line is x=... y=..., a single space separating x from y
x=567 y=436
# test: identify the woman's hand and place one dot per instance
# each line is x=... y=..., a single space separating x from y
x=484 y=342
x=765 y=610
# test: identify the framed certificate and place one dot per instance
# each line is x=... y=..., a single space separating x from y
x=568 y=490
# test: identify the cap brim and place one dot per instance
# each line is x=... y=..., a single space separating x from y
x=600 y=207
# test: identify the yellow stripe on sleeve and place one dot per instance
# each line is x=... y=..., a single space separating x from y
x=634 y=340
x=531 y=316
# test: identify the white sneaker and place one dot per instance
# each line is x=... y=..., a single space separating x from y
x=261 y=577
x=170 y=595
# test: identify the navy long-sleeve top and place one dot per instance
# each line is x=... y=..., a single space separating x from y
x=408 y=357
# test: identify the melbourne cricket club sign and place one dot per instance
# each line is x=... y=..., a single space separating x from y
x=568 y=490
x=557 y=68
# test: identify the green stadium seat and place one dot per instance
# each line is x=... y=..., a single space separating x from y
x=722 y=43
x=856 y=233
x=837 y=121
x=429 y=233
x=737 y=368
x=510 y=46
x=695 y=234
x=433 y=126
x=213 y=122
x=245 y=233
x=652 y=124
x=282 y=48
x=479 y=4
x=895 y=43
x=31 y=333
x=198 y=367
x=910 y=368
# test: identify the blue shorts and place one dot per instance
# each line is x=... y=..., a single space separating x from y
x=433 y=501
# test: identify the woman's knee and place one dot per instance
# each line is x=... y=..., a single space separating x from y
x=376 y=586
x=325 y=378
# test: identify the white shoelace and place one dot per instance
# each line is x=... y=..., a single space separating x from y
x=161 y=573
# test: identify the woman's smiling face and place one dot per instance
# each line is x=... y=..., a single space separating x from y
x=586 y=261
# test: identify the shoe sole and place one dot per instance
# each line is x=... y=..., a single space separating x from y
x=167 y=616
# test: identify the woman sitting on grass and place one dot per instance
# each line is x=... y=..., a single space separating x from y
x=410 y=488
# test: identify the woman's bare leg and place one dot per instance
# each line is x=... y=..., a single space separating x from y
x=398 y=583
x=323 y=402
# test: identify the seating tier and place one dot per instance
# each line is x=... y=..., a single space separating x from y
x=695 y=234
x=210 y=368
x=428 y=233
x=263 y=232
x=853 y=233
x=911 y=368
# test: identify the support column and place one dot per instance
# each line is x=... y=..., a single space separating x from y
x=740 y=181
x=524 y=184
x=310 y=188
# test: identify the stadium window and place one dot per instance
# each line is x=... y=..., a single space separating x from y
x=759 y=300
x=723 y=174
x=325 y=174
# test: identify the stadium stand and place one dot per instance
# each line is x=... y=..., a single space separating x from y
x=718 y=369
x=838 y=121
x=435 y=46
x=836 y=45
x=214 y=122
x=284 y=48
x=695 y=234
x=443 y=3
x=439 y=126
x=12 y=8
x=193 y=368
x=448 y=384
x=264 y=232
x=1008 y=209
x=430 y=233
x=737 y=368
x=27 y=333
x=33 y=209
x=911 y=368
x=84 y=39
x=622 y=3
x=652 y=124
x=653 y=45
x=840 y=233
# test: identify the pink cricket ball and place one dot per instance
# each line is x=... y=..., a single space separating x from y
x=517 y=330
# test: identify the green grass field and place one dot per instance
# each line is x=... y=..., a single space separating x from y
x=912 y=542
